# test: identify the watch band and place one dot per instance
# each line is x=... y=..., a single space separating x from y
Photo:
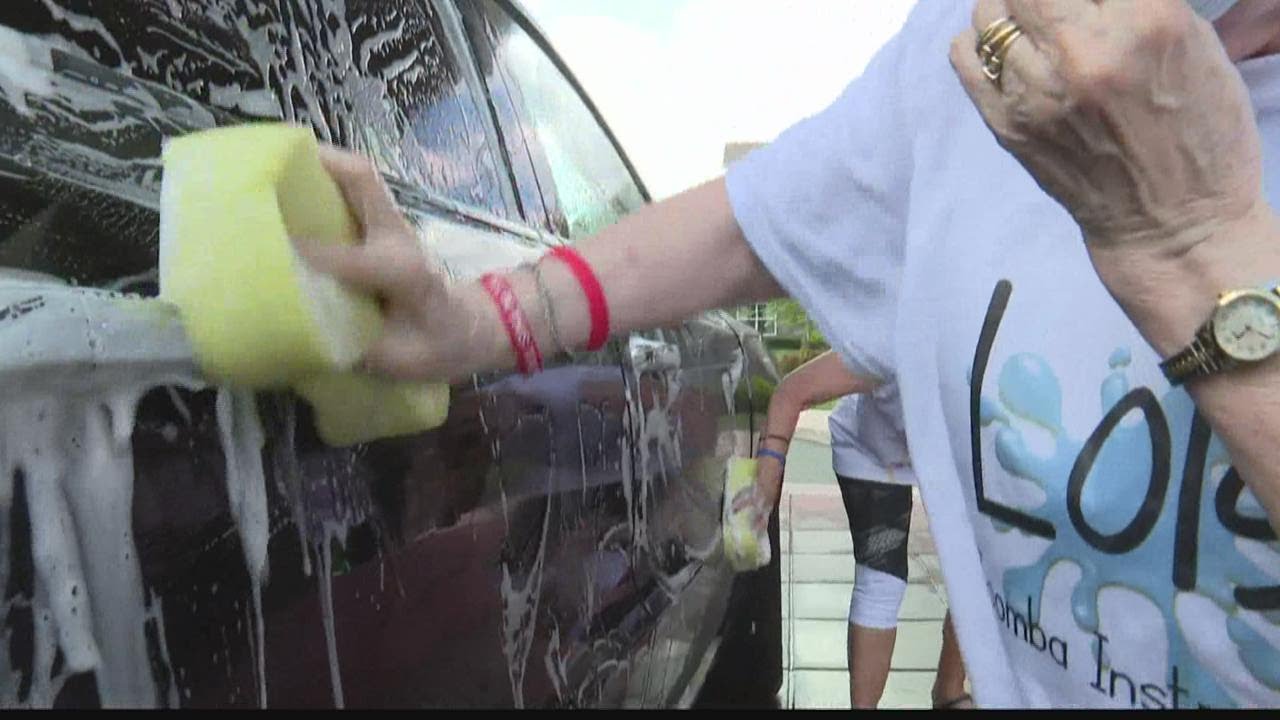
x=1202 y=357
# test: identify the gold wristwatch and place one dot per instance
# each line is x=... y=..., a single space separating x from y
x=1244 y=329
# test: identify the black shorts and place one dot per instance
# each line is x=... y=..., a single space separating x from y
x=879 y=521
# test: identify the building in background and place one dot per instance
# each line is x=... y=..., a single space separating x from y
x=736 y=150
x=758 y=315
x=782 y=323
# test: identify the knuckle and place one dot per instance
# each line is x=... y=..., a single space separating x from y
x=1028 y=118
x=1090 y=73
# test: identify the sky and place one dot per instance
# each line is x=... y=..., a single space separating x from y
x=677 y=79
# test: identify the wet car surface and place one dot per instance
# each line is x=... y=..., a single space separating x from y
x=164 y=543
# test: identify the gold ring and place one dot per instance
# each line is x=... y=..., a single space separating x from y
x=993 y=45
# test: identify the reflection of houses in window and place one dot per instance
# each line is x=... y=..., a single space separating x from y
x=759 y=316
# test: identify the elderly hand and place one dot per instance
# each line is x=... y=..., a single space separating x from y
x=1128 y=112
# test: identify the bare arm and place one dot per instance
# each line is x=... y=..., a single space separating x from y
x=660 y=265
x=817 y=381
x=664 y=263
x=1167 y=306
x=822 y=379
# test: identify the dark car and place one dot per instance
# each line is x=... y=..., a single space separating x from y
x=162 y=543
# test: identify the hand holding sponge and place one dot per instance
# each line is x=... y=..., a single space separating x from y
x=256 y=315
x=746 y=547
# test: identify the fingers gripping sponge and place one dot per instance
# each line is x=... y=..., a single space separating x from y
x=257 y=316
x=743 y=546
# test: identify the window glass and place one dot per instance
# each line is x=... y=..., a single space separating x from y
x=80 y=136
x=593 y=185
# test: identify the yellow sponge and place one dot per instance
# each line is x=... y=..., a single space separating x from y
x=257 y=316
x=743 y=546
x=352 y=408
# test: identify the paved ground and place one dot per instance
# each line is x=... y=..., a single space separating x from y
x=817 y=577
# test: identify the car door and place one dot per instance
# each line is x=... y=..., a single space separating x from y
x=481 y=564
x=687 y=413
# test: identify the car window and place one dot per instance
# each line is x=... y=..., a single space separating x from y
x=593 y=185
x=411 y=106
x=81 y=134
x=522 y=152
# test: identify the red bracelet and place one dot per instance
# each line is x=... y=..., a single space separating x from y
x=525 y=345
x=596 y=303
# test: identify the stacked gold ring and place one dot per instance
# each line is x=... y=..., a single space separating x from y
x=993 y=44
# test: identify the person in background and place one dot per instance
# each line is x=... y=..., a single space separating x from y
x=869 y=455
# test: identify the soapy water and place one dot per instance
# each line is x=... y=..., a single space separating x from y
x=539 y=508
x=85 y=101
x=1029 y=403
x=240 y=431
x=66 y=437
x=83 y=114
x=65 y=432
x=100 y=89
x=78 y=480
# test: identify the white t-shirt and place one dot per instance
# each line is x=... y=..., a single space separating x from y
x=1093 y=557
x=867 y=438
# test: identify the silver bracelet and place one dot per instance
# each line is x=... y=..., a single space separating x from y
x=545 y=295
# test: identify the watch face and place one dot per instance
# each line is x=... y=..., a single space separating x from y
x=1247 y=326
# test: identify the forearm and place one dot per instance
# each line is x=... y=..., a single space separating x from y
x=1168 y=298
x=819 y=380
x=822 y=379
x=658 y=266
x=1244 y=410
x=782 y=417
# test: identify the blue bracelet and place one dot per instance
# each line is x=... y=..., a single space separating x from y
x=766 y=452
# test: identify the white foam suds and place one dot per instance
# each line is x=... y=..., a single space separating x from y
x=44 y=683
x=17 y=79
x=260 y=645
x=69 y=434
x=78 y=478
x=326 y=606
x=87 y=358
x=155 y=615
x=288 y=476
x=242 y=441
x=520 y=609
x=31 y=431
x=99 y=490
x=557 y=670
